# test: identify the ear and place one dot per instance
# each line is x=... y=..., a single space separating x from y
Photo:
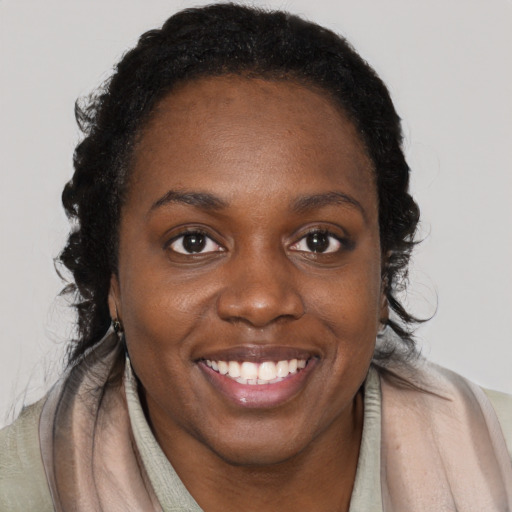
x=114 y=299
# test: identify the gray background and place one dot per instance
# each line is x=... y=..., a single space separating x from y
x=448 y=66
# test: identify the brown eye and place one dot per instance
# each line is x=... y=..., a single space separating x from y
x=317 y=242
x=194 y=242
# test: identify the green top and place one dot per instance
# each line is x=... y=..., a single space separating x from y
x=23 y=485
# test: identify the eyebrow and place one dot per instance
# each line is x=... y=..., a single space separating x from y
x=305 y=203
x=302 y=204
x=197 y=199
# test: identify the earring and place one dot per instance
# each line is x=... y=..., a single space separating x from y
x=116 y=324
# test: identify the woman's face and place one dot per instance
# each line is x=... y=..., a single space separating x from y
x=249 y=268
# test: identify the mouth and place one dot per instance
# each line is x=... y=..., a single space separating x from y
x=261 y=380
x=257 y=374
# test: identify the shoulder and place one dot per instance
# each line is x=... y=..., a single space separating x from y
x=502 y=404
x=23 y=483
x=434 y=387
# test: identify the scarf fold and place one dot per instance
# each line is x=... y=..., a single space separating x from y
x=442 y=448
x=89 y=454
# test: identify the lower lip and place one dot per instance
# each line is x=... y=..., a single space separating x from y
x=263 y=396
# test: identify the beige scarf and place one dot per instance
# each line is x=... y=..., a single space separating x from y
x=442 y=446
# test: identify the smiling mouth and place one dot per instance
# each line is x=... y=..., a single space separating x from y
x=259 y=377
x=251 y=373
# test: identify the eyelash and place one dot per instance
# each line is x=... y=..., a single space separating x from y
x=342 y=243
x=189 y=232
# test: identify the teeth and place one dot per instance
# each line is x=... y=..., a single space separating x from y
x=223 y=367
x=282 y=369
x=247 y=372
x=233 y=369
x=267 y=371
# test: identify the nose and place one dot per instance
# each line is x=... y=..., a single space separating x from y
x=259 y=291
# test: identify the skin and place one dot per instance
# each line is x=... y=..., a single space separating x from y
x=259 y=147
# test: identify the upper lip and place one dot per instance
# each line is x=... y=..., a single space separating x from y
x=259 y=353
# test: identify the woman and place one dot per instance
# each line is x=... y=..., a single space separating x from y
x=242 y=224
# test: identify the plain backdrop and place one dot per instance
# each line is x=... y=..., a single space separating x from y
x=447 y=64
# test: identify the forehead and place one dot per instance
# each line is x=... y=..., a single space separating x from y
x=219 y=131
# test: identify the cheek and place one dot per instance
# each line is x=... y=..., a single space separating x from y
x=161 y=317
x=350 y=301
x=155 y=296
x=350 y=307
x=162 y=312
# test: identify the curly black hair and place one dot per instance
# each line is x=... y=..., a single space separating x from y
x=215 y=40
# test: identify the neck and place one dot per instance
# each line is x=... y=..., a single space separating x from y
x=320 y=477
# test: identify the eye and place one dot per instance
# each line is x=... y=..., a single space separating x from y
x=317 y=242
x=194 y=242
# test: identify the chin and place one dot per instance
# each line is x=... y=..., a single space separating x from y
x=266 y=445
x=258 y=454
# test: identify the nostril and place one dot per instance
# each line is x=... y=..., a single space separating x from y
x=259 y=305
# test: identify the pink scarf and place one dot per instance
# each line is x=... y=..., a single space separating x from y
x=442 y=450
x=442 y=446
